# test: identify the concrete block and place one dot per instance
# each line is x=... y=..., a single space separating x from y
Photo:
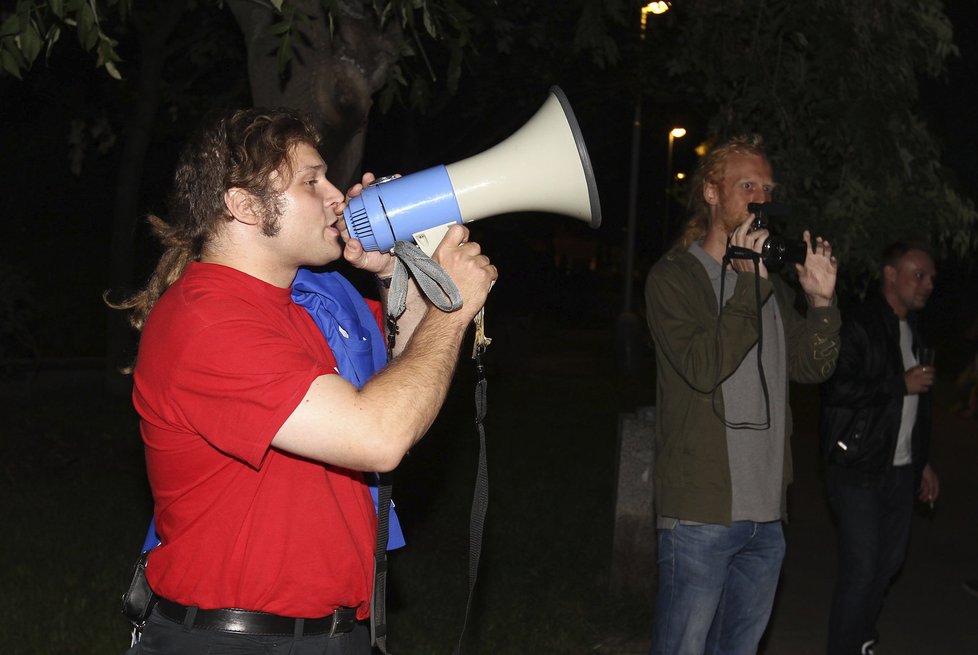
x=633 y=558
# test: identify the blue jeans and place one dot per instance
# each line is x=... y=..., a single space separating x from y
x=873 y=522
x=716 y=587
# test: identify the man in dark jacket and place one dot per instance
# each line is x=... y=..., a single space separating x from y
x=875 y=429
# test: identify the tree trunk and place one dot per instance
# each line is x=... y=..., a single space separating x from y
x=332 y=77
x=154 y=34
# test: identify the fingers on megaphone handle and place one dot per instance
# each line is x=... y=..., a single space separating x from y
x=456 y=235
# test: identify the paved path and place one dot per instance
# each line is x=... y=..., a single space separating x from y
x=926 y=611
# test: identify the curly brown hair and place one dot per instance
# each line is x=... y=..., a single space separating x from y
x=248 y=149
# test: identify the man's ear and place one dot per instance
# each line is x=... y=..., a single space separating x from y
x=241 y=206
x=889 y=273
x=710 y=194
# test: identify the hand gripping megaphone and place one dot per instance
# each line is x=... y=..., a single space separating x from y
x=543 y=166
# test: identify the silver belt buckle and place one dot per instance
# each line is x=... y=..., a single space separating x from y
x=343 y=621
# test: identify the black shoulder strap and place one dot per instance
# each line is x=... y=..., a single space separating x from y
x=378 y=604
x=480 y=498
x=441 y=291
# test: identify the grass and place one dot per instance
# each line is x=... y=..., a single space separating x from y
x=74 y=504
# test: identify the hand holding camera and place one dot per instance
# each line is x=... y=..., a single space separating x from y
x=775 y=250
x=745 y=248
x=812 y=257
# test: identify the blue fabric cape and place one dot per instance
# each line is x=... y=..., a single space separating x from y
x=357 y=343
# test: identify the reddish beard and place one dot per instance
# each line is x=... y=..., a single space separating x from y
x=730 y=214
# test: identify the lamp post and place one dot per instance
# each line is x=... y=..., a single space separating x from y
x=674 y=133
x=628 y=324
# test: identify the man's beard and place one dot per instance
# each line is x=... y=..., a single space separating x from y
x=731 y=215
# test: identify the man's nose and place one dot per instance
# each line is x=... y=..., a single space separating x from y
x=333 y=196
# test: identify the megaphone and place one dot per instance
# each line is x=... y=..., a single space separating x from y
x=543 y=166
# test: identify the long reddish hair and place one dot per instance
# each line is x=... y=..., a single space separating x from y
x=711 y=170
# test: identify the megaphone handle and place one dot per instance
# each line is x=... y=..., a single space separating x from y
x=481 y=340
x=429 y=239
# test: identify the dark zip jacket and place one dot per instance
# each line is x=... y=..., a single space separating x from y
x=862 y=402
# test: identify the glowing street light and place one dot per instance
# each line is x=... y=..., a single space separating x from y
x=653 y=8
x=674 y=133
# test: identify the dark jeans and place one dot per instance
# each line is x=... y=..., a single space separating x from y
x=164 y=637
x=873 y=531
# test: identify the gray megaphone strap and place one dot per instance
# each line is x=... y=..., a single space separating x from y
x=432 y=279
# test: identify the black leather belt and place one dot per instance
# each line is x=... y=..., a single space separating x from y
x=247 y=622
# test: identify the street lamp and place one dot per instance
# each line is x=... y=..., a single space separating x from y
x=653 y=8
x=628 y=325
x=674 y=133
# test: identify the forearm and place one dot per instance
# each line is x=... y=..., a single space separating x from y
x=372 y=428
x=409 y=391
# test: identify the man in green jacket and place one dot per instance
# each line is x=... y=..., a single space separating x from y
x=723 y=425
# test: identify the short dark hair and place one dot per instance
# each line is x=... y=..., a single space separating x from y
x=894 y=252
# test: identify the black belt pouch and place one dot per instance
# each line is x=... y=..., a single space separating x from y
x=137 y=602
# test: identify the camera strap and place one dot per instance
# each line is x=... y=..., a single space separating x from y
x=736 y=252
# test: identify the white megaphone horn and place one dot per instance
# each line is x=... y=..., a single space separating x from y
x=543 y=166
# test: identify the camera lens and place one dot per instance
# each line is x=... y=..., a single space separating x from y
x=778 y=250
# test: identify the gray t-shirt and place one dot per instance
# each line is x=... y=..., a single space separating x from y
x=755 y=447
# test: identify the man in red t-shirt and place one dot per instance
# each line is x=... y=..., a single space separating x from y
x=254 y=444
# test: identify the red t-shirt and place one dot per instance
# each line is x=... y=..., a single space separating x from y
x=224 y=359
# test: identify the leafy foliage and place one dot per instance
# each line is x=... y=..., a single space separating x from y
x=36 y=25
x=832 y=85
x=513 y=41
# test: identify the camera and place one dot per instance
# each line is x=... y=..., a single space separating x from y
x=776 y=250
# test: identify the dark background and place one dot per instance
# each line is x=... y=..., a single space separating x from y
x=74 y=501
x=54 y=249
